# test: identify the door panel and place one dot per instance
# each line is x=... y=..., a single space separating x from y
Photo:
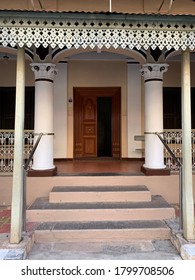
x=78 y=145
x=87 y=130
x=89 y=147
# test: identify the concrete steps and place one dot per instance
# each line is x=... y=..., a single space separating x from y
x=101 y=231
x=104 y=212
x=99 y=194
x=156 y=209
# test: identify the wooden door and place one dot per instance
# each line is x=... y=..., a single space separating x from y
x=89 y=126
x=85 y=126
x=85 y=121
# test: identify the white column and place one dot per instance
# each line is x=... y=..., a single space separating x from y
x=61 y=111
x=153 y=78
x=187 y=185
x=44 y=77
x=17 y=188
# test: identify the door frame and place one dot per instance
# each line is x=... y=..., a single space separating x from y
x=115 y=93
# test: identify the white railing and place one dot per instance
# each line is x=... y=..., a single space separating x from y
x=7 y=149
x=173 y=138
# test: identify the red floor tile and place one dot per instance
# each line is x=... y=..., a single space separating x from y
x=5 y=213
x=5 y=228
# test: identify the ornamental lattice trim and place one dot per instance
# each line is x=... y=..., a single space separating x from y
x=95 y=30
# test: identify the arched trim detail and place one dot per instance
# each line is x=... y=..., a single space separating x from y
x=75 y=30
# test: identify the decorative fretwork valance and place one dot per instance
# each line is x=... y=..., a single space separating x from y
x=96 y=30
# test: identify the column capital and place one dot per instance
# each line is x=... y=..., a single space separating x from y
x=153 y=71
x=44 y=71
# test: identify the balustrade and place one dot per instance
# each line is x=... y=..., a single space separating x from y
x=173 y=137
x=7 y=149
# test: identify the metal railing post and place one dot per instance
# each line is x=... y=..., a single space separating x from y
x=24 y=200
x=180 y=199
x=180 y=179
x=25 y=171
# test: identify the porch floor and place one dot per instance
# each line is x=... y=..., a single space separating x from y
x=99 y=166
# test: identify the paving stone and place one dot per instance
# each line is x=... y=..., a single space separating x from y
x=17 y=254
x=3 y=253
x=140 y=250
x=188 y=251
x=164 y=246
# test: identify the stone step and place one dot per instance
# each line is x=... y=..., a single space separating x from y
x=72 y=194
x=101 y=231
x=156 y=209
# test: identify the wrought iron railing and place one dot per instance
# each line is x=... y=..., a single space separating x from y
x=7 y=149
x=173 y=138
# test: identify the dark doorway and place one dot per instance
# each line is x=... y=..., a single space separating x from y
x=104 y=131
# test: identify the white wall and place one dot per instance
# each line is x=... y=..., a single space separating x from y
x=172 y=78
x=60 y=112
x=8 y=74
x=134 y=110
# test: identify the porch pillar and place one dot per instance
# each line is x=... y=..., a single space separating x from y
x=187 y=185
x=154 y=155
x=17 y=186
x=43 y=157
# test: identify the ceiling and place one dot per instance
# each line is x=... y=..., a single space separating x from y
x=121 y=6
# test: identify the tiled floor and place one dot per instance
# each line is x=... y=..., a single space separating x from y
x=100 y=166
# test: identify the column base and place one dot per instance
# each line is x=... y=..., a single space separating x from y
x=42 y=173
x=155 y=172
